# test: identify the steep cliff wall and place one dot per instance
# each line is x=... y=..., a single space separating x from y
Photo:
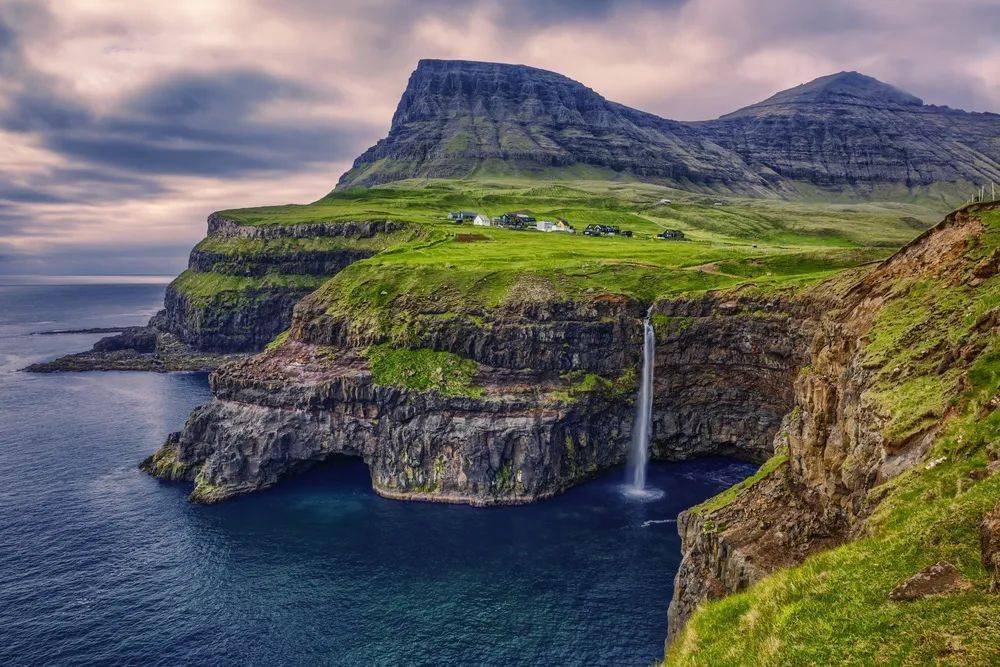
x=514 y=439
x=724 y=370
x=243 y=279
x=891 y=422
x=516 y=431
x=548 y=400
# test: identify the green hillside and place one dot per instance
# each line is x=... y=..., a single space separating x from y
x=835 y=607
x=449 y=267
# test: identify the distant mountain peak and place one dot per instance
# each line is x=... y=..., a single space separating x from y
x=841 y=88
x=845 y=132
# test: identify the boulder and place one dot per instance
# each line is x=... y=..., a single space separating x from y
x=936 y=579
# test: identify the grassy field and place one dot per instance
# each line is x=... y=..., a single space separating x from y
x=631 y=205
x=439 y=266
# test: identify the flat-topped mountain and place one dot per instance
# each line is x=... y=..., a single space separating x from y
x=843 y=132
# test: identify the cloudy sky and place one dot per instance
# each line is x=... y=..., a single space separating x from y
x=124 y=124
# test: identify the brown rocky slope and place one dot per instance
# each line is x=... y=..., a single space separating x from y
x=895 y=418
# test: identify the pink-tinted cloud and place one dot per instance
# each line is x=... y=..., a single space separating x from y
x=124 y=124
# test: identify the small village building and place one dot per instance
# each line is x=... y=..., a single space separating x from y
x=516 y=220
x=563 y=226
x=604 y=230
x=545 y=225
x=670 y=234
x=482 y=221
x=461 y=216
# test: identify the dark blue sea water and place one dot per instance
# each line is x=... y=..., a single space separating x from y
x=101 y=564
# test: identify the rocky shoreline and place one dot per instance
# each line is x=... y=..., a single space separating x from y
x=137 y=349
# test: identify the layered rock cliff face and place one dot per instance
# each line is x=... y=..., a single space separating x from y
x=275 y=266
x=724 y=370
x=523 y=431
x=551 y=401
x=300 y=404
x=891 y=367
x=843 y=132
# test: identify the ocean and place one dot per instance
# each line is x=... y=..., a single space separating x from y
x=101 y=564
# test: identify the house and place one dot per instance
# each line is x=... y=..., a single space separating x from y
x=603 y=230
x=461 y=216
x=482 y=221
x=516 y=220
x=670 y=234
x=545 y=225
x=664 y=202
x=561 y=225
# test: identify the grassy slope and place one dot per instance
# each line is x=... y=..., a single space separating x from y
x=834 y=608
x=203 y=289
x=770 y=242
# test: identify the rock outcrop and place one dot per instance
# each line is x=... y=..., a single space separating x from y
x=843 y=132
x=844 y=439
x=938 y=579
x=298 y=404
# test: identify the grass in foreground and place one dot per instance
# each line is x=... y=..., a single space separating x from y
x=834 y=608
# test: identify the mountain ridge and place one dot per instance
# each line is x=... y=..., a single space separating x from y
x=843 y=132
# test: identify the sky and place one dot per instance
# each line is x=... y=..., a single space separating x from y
x=124 y=124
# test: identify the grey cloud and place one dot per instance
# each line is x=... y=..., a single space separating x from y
x=13 y=193
x=187 y=124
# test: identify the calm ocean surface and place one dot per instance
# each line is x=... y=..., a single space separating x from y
x=102 y=564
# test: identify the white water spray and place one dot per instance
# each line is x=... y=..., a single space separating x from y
x=638 y=455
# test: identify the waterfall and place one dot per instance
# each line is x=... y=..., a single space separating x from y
x=638 y=455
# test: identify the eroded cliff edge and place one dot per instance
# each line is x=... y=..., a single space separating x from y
x=890 y=450
x=520 y=401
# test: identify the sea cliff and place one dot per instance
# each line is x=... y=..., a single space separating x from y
x=889 y=450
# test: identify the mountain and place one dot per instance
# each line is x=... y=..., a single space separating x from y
x=843 y=132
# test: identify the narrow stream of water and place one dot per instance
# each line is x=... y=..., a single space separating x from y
x=638 y=455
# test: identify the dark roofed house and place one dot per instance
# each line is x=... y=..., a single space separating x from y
x=604 y=230
x=516 y=220
x=670 y=234
x=461 y=216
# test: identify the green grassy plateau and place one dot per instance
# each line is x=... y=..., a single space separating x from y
x=443 y=267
